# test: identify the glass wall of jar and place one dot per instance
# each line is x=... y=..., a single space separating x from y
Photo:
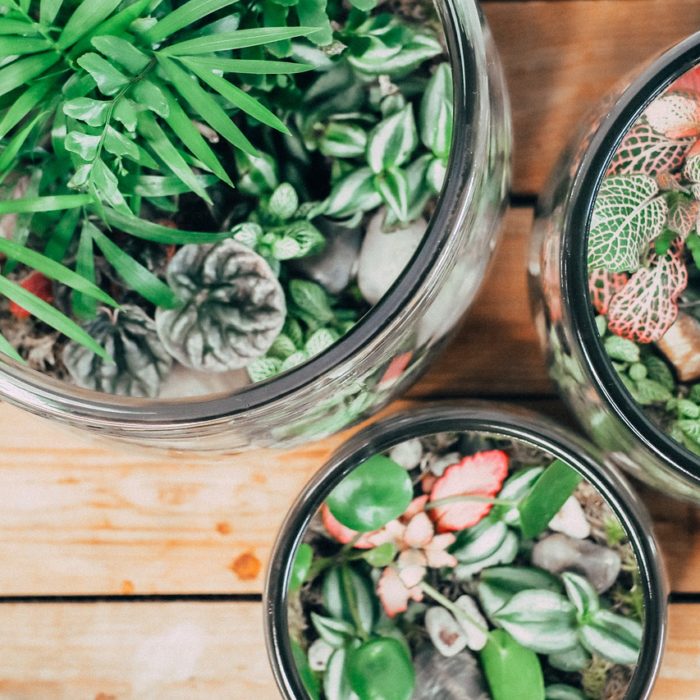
x=453 y=452
x=388 y=348
x=570 y=324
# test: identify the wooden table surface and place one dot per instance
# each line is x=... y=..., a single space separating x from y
x=139 y=576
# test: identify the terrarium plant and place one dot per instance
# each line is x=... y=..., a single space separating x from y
x=465 y=566
x=644 y=260
x=192 y=183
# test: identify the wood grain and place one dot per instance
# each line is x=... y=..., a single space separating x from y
x=188 y=651
x=561 y=58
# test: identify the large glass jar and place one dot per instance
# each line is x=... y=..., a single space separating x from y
x=389 y=347
x=476 y=426
x=573 y=332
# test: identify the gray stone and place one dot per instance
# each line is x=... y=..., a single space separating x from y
x=440 y=678
x=185 y=383
x=336 y=266
x=558 y=553
x=571 y=520
x=408 y=453
x=385 y=255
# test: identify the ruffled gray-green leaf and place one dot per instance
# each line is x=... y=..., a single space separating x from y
x=233 y=307
x=141 y=362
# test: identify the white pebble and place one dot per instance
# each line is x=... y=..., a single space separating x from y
x=408 y=454
x=474 y=626
x=319 y=654
x=445 y=632
x=571 y=520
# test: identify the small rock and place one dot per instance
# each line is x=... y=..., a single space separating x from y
x=185 y=383
x=681 y=345
x=558 y=553
x=319 y=654
x=445 y=632
x=441 y=678
x=477 y=628
x=408 y=454
x=439 y=464
x=384 y=256
x=571 y=520
x=336 y=266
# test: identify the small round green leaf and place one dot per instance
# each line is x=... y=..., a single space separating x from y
x=561 y=691
x=301 y=566
x=381 y=556
x=373 y=494
x=381 y=670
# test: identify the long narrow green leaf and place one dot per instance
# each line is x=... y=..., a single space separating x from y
x=168 y=186
x=188 y=133
x=50 y=316
x=54 y=270
x=237 y=97
x=9 y=154
x=48 y=9
x=149 y=231
x=19 y=45
x=16 y=26
x=241 y=39
x=134 y=274
x=84 y=306
x=164 y=149
x=51 y=203
x=205 y=105
x=62 y=235
x=184 y=16
x=88 y=14
x=6 y=347
x=250 y=66
x=25 y=69
x=24 y=104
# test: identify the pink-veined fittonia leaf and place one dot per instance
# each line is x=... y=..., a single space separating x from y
x=628 y=215
x=466 y=488
x=683 y=215
x=603 y=286
x=691 y=171
x=676 y=115
x=647 y=306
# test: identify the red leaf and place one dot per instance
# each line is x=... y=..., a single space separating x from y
x=647 y=306
x=603 y=286
x=481 y=475
x=341 y=533
x=37 y=284
x=688 y=82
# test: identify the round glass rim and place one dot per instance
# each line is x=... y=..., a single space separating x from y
x=468 y=417
x=464 y=36
x=574 y=259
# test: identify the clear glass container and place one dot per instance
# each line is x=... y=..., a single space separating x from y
x=478 y=421
x=562 y=306
x=389 y=348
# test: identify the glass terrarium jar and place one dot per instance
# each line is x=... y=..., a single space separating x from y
x=614 y=271
x=387 y=349
x=435 y=543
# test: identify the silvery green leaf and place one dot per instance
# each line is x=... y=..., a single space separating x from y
x=616 y=638
x=505 y=554
x=337 y=633
x=263 y=368
x=436 y=174
x=398 y=63
x=560 y=691
x=336 y=685
x=319 y=341
x=436 y=114
x=284 y=202
x=649 y=392
x=581 y=593
x=312 y=299
x=85 y=145
x=343 y=140
x=573 y=660
x=419 y=193
x=393 y=187
x=85 y=109
x=479 y=542
x=258 y=175
x=375 y=56
x=282 y=348
x=340 y=584
x=621 y=349
x=540 y=620
x=354 y=193
x=515 y=488
x=628 y=215
x=392 y=141
x=498 y=584
x=247 y=233
x=294 y=360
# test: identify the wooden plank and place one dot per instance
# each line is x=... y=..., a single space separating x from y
x=82 y=517
x=186 y=651
x=561 y=58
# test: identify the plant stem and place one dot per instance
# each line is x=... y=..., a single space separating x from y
x=470 y=499
x=452 y=607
